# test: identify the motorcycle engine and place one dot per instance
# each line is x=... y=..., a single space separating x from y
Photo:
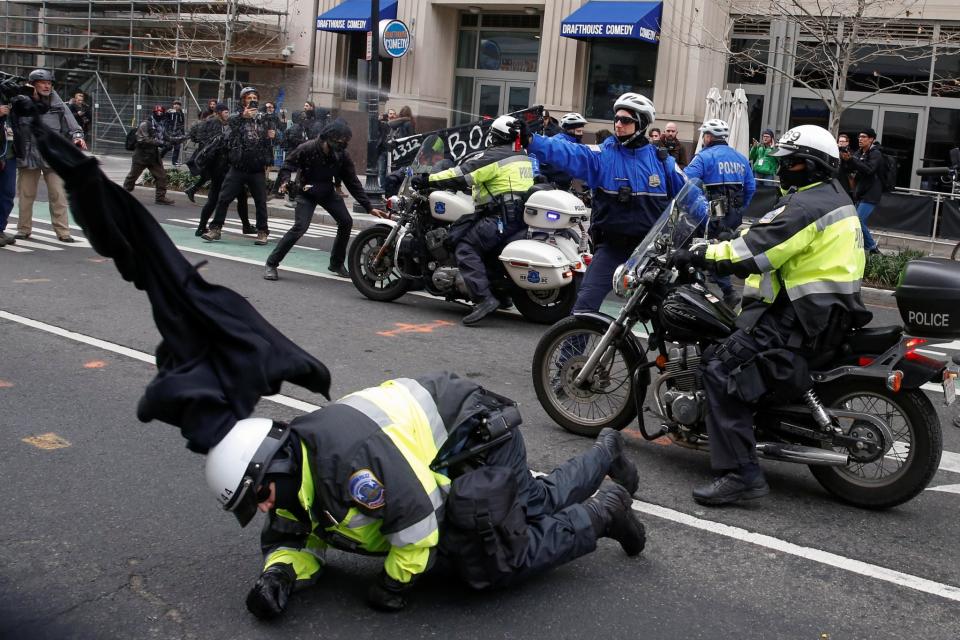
x=449 y=279
x=684 y=399
x=434 y=241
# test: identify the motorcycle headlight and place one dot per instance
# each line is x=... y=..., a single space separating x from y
x=624 y=281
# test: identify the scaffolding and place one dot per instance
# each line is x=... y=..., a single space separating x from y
x=128 y=55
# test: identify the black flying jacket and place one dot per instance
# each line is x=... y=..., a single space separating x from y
x=218 y=356
x=317 y=172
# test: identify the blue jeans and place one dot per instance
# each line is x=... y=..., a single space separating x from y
x=864 y=209
x=598 y=281
x=382 y=169
x=8 y=191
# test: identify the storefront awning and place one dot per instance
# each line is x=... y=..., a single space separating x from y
x=354 y=15
x=602 y=19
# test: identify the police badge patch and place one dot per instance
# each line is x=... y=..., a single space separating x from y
x=768 y=217
x=654 y=181
x=366 y=490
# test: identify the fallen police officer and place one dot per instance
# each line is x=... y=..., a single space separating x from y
x=413 y=470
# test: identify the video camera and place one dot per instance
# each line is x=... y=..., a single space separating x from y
x=12 y=86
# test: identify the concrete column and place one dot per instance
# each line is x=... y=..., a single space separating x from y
x=561 y=70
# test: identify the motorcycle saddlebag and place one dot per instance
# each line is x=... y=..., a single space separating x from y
x=928 y=298
x=536 y=265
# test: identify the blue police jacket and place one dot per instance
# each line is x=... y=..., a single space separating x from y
x=554 y=174
x=649 y=182
x=724 y=171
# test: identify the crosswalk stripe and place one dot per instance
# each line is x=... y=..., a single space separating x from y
x=16 y=248
x=38 y=245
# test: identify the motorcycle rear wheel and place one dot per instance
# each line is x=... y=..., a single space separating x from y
x=546 y=306
x=383 y=283
x=907 y=468
x=606 y=402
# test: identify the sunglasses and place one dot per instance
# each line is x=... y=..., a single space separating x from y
x=624 y=119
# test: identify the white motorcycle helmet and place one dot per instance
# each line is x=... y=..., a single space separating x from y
x=812 y=144
x=572 y=120
x=716 y=127
x=237 y=464
x=504 y=130
x=642 y=109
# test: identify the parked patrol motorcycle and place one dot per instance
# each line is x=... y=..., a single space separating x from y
x=867 y=431
x=541 y=273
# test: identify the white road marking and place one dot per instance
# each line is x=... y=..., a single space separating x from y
x=37 y=245
x=891 y=576
x=16 y=248
x=946 y=488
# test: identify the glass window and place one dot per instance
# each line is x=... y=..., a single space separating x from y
x=510 y=21
x=755 y=115
x=462 y=100
x=467 y=50
x=469 y=19
x=909 y=68
x=618 y=66
x=898 y=137
x=946 y=73
x=853 y=121
x=943 y=134
x=812 y=66
x=808 y=111
x=743 y=68
x=518 y=97
x=508 y=51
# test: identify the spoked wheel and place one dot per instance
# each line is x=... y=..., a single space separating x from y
x=893 y=472
x=546 y=306
x=381 y=282
x=607 y=398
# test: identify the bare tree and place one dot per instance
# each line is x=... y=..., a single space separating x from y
x=834 y=47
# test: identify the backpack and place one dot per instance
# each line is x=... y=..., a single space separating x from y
x=130 y=142
x=204 y=157
x=888 y=172
x=485 y=527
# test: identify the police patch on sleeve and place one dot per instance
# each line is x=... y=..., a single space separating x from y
x=366 y=490
x=768 y=217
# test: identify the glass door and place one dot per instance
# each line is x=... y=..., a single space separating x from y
x=899 y=135
x=489 y=98
x=519 y=95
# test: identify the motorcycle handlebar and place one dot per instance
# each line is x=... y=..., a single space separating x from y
x=934 y=171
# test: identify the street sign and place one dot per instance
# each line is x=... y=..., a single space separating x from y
x=395 y=38
x=369 y=45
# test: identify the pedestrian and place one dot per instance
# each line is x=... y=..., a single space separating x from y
x=498 y=179
x=82 y=114
x=803 y=268
x=654 y=135
x=249 y=152
x=866 y=166
x=209 y=111
x=550 y=125
x=151 y=137
x=213 y=133
x=319 y=164
x=846 y=176
x=764 y=164
x=367 y=474
x=729 y=186
x=8 y=175
x=632 y=187
x=403 y=126
x=176 y=125
x=384 y=136
x=668 y=140
x=30 y=165
x=601 y=135
x=311 y=121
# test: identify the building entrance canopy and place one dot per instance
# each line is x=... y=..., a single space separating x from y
x=601 y=19
x=354 y=15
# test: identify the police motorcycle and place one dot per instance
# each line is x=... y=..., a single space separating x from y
x=541 y=273
x=867 y=431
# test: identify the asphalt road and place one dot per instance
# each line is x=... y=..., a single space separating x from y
x=111 y=531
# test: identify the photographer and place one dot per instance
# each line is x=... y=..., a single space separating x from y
x=81 y=112
x=866 y=165
x=151 y=138
x=249 y=152
x=212 y=158
x=30 y=165
x=8 y=175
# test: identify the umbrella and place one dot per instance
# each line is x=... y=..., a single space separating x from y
x=714 y=100
x=739 y=123
x=218 y=356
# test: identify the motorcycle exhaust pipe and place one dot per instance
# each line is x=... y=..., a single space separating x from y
x=801 y=454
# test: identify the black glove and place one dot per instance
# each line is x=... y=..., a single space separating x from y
x=683 y=258
x=386 y=594
x=269 y=596
x=420 y=181
x=524 y=133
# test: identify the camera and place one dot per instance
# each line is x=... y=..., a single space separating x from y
x=12 y=86
x=253 y=105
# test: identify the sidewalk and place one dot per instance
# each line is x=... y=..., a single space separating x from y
x=117 y=167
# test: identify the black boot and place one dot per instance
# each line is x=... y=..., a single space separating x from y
x=190 y=192
x=622 y=470
x=612 y=517
x=481 y=310
x=733 y=487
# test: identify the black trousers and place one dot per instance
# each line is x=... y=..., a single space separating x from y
x=558 y=525
x=729 y=416
x=483 y=241
x=233 y=183
x=302 y=216
x=213 y=196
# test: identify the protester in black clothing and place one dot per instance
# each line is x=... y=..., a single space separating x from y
x=319 y=163
x=866 y=165
x=176 y=123
x=249 y=152
x=312 y=120
x=82 y=114
x=152 y=135
x=271 y=120
x=210 y=132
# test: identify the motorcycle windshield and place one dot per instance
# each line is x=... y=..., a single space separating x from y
x=685 y=214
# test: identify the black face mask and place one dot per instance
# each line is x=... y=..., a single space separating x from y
x=795 y=179
x=336 y=146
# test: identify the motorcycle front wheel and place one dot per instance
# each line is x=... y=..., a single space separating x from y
x=546 y=306
x=892 y=478
x=607 y=398
x=381 y=282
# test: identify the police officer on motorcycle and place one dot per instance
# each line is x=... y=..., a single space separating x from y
x=803 y=263
x=498 y=177
x=360 y=475
x=632 y=186
x=729 y=184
